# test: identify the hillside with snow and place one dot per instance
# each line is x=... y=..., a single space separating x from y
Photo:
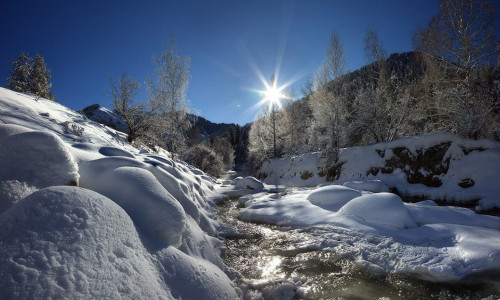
x=86 y=216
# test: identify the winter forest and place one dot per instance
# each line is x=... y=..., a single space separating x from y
x=373 y=183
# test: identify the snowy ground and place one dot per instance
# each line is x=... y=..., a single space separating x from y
x=380 y=232
x=85 y=215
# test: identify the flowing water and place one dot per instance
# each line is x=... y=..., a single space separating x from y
x=265 y=254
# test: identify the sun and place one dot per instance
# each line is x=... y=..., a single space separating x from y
x=273 y=95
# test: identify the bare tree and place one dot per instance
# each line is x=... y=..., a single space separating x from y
x=456 y=45
x=333 y=65
x=123 y=91
x=168 y=97
x=328 y=109
x=462 y=35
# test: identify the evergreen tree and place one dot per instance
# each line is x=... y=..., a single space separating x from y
x=19 y=80
x=40 y=78
x=30 y=76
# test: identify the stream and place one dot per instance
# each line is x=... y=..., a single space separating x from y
x=268 y=254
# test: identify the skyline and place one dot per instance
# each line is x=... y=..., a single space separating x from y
x=229 y=43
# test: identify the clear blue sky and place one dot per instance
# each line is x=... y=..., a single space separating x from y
x=86 y=42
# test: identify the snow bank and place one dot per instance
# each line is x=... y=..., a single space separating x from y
x=298 y=171
x=38 y=158
x=439 y=166
x=68 y=242
x=110 y=240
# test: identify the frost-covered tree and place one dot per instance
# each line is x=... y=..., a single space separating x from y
x=19 y=79
x=333 y=65
x=328 y=108
x=40 y=78
x=262 y=136
x=383 y=107
x=30 y=75
x=381 y=117
x=222 y=146
x=168 y=97
x=457 y=43
x=204 y=159
x=123 y=92
x=298 y=117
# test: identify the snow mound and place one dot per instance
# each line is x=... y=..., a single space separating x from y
x=38 y=158
x=382 y=209
x=72 y=243
x=206 y=281
x=7 y=130
x=153 y=209
x=113 y=151
x=249 y=183
x=375 y=186
x=332 y=197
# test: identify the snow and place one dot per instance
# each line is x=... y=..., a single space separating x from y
x=332 y=197
x=375 y=186
x=155 y=212
x=470 y=160
x=138 y=226
x=38 y=158
x=206 y=281
x=381 y=233
x=381 y=208
x=249 y=183
x=69 y=242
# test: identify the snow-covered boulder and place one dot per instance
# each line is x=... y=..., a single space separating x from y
x=72 y=243
x=381 y=208
x=38 y=158
x=332 y=197
x=249 y=183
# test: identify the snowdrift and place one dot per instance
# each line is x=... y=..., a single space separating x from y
x=438 y=166
x=84 y=215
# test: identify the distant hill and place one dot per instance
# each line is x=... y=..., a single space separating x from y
x=102 y=115
x=236 y=134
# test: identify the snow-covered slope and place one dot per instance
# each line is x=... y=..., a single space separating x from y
x=438 y=166
x=85 y=215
